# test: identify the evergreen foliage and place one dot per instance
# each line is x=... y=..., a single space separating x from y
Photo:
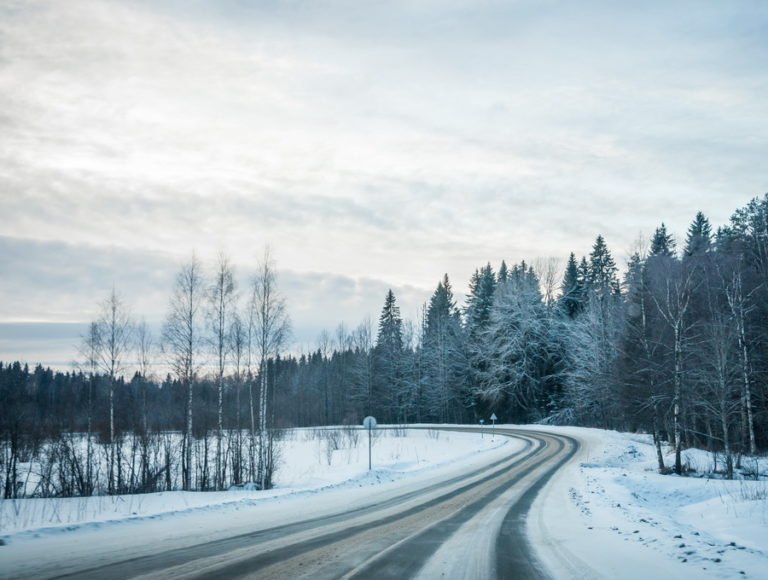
x=601 y=275
x=662 y=243
x=388 y=358
x=572 y=289
x=699 y=238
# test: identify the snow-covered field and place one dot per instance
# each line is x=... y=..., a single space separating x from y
x=610 y=507
x=311 y=461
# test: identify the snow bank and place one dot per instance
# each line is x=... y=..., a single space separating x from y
x=610 y=514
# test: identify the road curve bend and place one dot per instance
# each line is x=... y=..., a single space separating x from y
x=471 y=526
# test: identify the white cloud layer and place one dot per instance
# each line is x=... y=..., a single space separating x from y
x=364 y=141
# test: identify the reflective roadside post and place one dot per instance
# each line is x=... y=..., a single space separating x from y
x=494 y=418
x=482 y=422
x=369 y=423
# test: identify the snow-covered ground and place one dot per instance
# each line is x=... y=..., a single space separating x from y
x=311 y=461
x=607 y=513
x=610 y=514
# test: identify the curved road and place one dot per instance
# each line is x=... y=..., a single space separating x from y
x=470 y=526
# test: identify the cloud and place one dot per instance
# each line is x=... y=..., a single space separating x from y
x=47 y=343
x=53 y=289
x=363 y=141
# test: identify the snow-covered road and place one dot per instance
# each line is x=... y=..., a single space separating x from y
x=464 y=522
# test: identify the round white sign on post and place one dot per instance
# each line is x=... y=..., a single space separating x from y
x=369 y=422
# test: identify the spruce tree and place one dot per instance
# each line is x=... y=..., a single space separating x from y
x=602 y=272
x=583 y=275
x=503 y=273
x=387 y=359
x=477 y=312
x=662 y=243
x=390 y=335
x=571 y=288
x=442 y=354
x=699 y=238
x=520 y=360
x=482 y=287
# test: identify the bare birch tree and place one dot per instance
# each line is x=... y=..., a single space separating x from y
x=672 y=300
x=740 y=310
x=271 y=329
x=549 y=273
x=145 y=355
x=718 y=377
x=221 y=308
x=362 y=338
x=89 y=347
x=181 y=345
x=113 y=341
x=324 y=347
x=238 y=341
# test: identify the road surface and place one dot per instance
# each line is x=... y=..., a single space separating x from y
x=468 y=526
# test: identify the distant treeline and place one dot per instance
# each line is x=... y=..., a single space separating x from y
x=676 y=345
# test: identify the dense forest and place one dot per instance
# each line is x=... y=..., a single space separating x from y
x=674 y=346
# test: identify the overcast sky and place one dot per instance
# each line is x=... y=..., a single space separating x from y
x=371 y=144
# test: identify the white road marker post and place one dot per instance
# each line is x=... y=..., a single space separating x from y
x=482 y=422
x=369 y=423
x=494 y=418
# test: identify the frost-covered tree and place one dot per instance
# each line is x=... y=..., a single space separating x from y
x=547 y=271
x=477 y=311
x=503 y=273
x=443 y=358
x=363 y=366
x=521 y=349
x=592 y=391
x=477 y=317
x=591 y=384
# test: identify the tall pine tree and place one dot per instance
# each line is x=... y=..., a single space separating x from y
x=699 y=238
x=571 y=289
x=444 y=362
x=503 y=273
x=387 y=361
x=662 y=243
x=482 y=287
x=602 y=273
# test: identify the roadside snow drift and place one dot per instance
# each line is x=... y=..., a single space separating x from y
x=610 y=514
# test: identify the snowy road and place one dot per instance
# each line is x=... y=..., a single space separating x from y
x=463 y=526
